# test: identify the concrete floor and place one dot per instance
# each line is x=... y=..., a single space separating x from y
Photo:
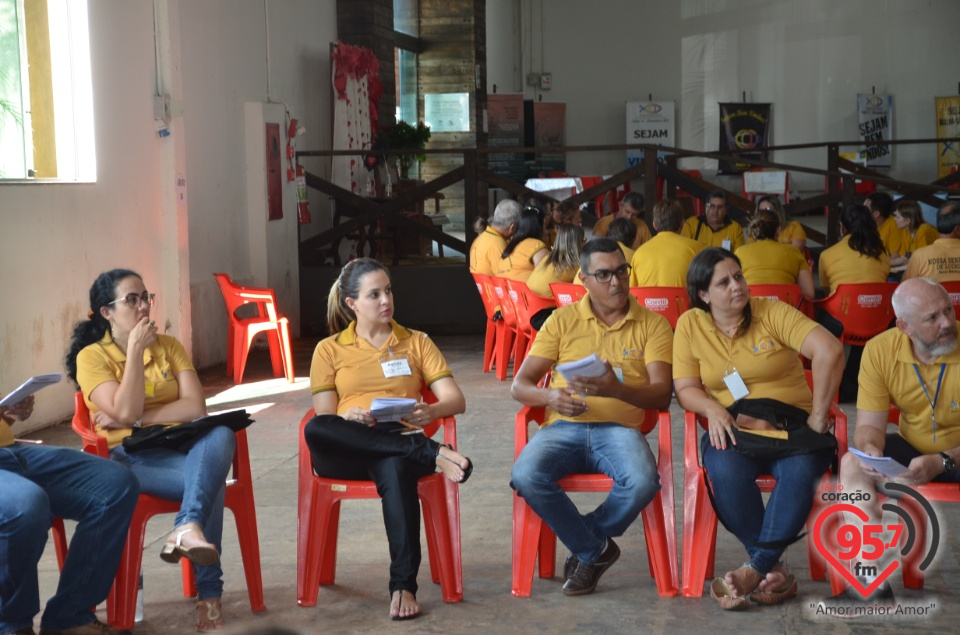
x=625 y=601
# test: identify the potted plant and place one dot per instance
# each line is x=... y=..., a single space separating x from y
x=401 y=137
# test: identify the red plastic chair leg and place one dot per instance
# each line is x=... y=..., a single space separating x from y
x=488 y=346
x=59 y=540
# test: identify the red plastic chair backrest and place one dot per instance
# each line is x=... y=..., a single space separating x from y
x=485 y=289
x=864 y=309
x=566 y=293
x=527 y=303
x=953 y=288
x=670 y=302
x=236 y=296
x=507 y=307
x=789 y=293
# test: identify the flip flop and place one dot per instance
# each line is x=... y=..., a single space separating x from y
x=400 y=618
x=721 y=592
x=467 y=471
x=784 y=592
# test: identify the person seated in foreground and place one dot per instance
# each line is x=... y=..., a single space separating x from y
x=369 y=355
x=715 y=228
x=593 y=424
x=663 y=260
x=631 y=208
x=728 y=347
x=906 y=366
x=40 y=482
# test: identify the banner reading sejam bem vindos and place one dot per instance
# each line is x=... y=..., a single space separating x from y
x=948 y=127
x=743 y=127
x=876 y=124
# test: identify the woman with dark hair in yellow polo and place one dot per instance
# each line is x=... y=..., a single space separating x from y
x=914 y=232
x=525 y=249
x=369 y=355
x=731 y=355
x=767 y=261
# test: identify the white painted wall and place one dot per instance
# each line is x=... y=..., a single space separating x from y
x=56 y=238
x=808 y=57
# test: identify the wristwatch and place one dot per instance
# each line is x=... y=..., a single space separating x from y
x=949 y=464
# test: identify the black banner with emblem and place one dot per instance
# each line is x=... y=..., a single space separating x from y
x=743 y=127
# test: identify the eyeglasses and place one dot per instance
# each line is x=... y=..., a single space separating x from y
x=604 y=276
x=133 y=300
x=766 y=209
x=716 y=205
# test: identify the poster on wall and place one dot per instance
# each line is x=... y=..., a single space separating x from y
x=948 y=127
x=649 y=122
x=505 y=117
x=545 y=125
x=447 y=112
x=743 y=127
x=876 y=124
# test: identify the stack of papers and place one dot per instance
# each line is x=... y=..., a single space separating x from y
x=591 y=366
x=391 y=408
x=883 y=464
x=29 y=387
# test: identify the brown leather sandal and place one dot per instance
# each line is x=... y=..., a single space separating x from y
x=721 y=592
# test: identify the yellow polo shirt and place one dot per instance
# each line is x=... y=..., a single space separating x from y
x=104 y=361
x=6 y=434
x=892 y=237
x=939 y=261
x=926 y=235
x=841 y=264
x=731 y=231
x=519 y=264
x=544 y=274
x=771 y=262
x=574 y=332
x=887 y=376
x=766 y=356
x=352 y=367
x=643 y=232
x=663 y=261
x=486 y=251
x=792 y=231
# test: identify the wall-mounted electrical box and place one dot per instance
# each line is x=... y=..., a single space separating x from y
x=546 y=80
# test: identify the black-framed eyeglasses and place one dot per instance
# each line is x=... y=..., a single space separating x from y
x=134 y=300
x=604 y=276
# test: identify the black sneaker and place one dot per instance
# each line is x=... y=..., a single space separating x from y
x=850 y=603
x=569 y=566
x=584 y=578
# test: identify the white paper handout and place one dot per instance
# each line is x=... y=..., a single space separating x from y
x=29 y=387
x=391 y=408
x=883 y=464
x=591 y=366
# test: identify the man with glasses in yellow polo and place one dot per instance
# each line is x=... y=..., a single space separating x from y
x=593 y=423
x=715 y=228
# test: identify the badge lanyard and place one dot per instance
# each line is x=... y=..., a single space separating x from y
x=936 y=396
x=732 y=378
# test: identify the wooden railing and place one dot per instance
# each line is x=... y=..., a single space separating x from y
x=840 y=175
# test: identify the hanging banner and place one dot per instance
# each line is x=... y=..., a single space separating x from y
x=743 y=127
x=876 y=124
x=545 y=125
x=948 y=127
x=649 y=122
x=505 y=116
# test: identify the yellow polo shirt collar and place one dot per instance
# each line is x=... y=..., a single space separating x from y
x=634 y=312
x=348 y=336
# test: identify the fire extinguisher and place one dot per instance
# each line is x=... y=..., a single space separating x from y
x=303 y=204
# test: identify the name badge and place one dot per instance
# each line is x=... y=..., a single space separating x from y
x=395 y=368
x=726 y=244
x=736 y=385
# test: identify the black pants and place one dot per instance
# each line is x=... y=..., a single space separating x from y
x=349 y=450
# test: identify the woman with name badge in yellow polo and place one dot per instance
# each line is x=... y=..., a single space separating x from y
x=367 y=356
x=735 y=364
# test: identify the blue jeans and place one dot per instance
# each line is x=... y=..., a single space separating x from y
x=39 y=482
x=733 y=478
x=569 y=447
x=196 y=474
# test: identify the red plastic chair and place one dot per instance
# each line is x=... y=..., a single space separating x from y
x=527 y=304
x=789 y=293
x=566 y=293
x=600 y=201
x=487 y=295
x=532 y=539
x=700 y=519
x=670 y=302
x=864 y=309
x=122 y=601
x=318 y=520
x=953 y=288
x=242 y=330
x=508 y=329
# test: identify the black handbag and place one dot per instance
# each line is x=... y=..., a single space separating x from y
x=176 y=435
x=792 y=435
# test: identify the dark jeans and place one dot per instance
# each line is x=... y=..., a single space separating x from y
x=349 y=450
